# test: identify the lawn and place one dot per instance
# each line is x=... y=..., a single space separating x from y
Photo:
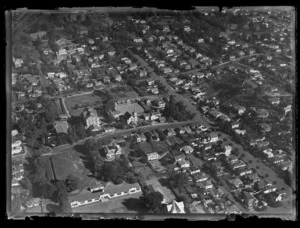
x=160 y=146
x=69 y=163
x=83 y=101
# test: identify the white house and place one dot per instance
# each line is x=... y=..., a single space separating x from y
x=187 y=149
x=153 y=156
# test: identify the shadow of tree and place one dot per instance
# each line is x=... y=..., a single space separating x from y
x=134 y=204
x=85 y=157
x=165 y=182
x=53 y=209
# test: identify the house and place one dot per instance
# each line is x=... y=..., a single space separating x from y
x=274 y=100
x=16 y=147
x=236 y=182
x=228 y=149
x=133 y=67
x=169 y=132
x=62 y=54
x=194 y=170
x=61 y=126
x=176 y=207
x=141 y=137
x=206 y=184
x=213 y=137
x=111 y=52
x=265 y=127
x=183 y=164
x=253 y=177
x=231 y=42
x=159 y=103
x=109 y=129
x=179 y=157
x=167 y=70
x=112 y=151
x=187 y=28
x=153 y=156
x=92 y=119
x=262 y=113
x=154 y=91
x=131 y=118
x=200 y=177
x=34 y=202
x=110 y=191
x=245 y=171
x=200 y=40
x=240 y=132
x=278 y=195
x=268 y=189
x=143 y=73
x=14 y=133
x=249 y=200
x=138 y=40
x=239 y=164
x=166 y=29
x=187 y=149
x=155 y=115
x=240 y=109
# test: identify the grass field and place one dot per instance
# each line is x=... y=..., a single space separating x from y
x=69 y=163
x=86 y=100
x=160 y=146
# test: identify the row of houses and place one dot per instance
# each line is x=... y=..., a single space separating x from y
x=101 y=193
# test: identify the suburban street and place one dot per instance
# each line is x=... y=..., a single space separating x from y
x=67 y=147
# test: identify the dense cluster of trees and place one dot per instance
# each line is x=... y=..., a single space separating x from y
x=36 y=125
x=116 y=171
x=38 y=183
x=153 y=201
x=179 y=180
x=175 y=110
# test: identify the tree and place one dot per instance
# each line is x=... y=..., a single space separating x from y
x=61 y=192
x=80 y=131
x=47 y=190
x=153 y=201
x=180 y=179
x=130 y=178
x=144 y=159
x=72 y=183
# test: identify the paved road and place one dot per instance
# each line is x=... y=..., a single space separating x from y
x=234 y=61
x=66 y=147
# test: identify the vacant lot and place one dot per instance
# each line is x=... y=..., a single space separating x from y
x=83 y=101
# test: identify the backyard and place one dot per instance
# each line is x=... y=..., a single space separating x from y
x=76 y=104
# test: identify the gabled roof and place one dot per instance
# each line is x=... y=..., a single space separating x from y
x=176 y=207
